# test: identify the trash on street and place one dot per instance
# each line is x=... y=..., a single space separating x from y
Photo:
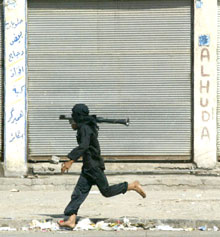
x=55 y=160
x=118 y=225
x=6 y=228
x=14 y=190
x=167 y=227
x=47 y=225
x=202 y=228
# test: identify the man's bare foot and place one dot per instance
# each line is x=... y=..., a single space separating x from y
x=70 y=223
x=137 y=187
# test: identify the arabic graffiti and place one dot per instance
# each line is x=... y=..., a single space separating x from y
x=11 y=4
x=15 y=55
x=17 y=135
x=17 y=38
x=13 y=118
x=16 y=71
x=15 y=58
x=12 y=110
x=19 y=91
x=13 y=24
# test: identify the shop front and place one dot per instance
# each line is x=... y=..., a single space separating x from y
x=121 y=58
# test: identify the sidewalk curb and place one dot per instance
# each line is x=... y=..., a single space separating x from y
x=153 y=182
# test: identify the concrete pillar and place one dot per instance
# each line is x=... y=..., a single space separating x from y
x=15 y=160
x=205 y=83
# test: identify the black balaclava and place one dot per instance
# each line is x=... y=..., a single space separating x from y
x=80 y=114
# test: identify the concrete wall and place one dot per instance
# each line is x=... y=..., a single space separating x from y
x=15 y=87
x=205 y=83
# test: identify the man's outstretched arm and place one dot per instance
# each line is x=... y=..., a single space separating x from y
x=77 y=152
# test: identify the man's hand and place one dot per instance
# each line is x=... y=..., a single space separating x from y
x=66 y=166
x=74 y=126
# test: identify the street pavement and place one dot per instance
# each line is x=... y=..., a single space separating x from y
x=161 y=205
x=182 y=201
x=185 y=201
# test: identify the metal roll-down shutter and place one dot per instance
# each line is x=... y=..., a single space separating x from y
x=129 y=58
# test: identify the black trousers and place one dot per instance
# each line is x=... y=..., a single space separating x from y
x=89 y=177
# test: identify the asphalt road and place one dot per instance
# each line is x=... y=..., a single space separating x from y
x=113 y=234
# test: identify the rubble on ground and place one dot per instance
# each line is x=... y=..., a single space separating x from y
x=87 y=225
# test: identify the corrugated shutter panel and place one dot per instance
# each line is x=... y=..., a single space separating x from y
x=123 y=59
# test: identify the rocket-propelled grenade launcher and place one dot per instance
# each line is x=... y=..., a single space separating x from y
x=99 y=120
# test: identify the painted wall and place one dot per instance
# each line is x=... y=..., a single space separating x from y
x=15 y=87
x=205 y=83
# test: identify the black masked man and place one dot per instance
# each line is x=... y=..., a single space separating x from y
x=93 y=166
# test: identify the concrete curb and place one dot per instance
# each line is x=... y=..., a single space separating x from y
x=68 y=181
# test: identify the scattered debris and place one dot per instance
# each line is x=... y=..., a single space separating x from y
x=14 y=190
x=149 y=225
x=47 y=225
x=120 y=225
x=6 y=228
x=167 y=227
x=101 y=225
x=84 y=224
x=55 y=160
x=25 y=229
x=202 y=228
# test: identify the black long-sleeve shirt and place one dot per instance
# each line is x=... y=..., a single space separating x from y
x=88 y=147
